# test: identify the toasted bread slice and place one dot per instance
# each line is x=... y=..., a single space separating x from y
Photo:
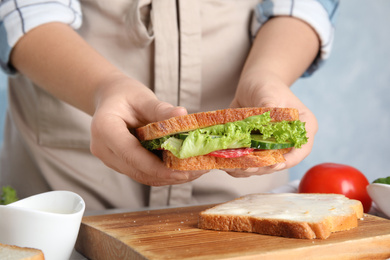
x=10 y=252
x=288 y=215
x=258 y=158
x=204 y=119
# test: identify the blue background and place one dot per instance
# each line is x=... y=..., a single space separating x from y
x=350 y=95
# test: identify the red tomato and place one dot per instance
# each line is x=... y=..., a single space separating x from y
x=337 y=178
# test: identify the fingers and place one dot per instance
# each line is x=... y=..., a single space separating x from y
x=118 y=149
x=117 y=110
x=292 y=158
x=244 y=173
x=298 y=154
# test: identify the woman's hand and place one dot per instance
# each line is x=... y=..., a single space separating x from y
x=123 y=104
x=270 y=91
x=283 y=49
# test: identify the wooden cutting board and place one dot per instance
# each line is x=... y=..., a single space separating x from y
x=173 y=234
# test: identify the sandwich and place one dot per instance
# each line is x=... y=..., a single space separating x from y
x=291 y=215
x=225 y=139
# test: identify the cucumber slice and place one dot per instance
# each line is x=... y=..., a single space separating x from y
x=181 y=136
x=258 y=142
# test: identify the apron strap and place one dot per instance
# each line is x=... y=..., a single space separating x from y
x=173 y=195
x=190 y=55
x=177 y=75
x=166 y=59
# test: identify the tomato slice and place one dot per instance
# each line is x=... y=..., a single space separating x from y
x=232 y=153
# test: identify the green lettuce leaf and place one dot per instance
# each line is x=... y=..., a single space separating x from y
x=231 y=135
x=155 y=143
x=198 y=143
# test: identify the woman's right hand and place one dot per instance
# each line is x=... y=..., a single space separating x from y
x=122 y=104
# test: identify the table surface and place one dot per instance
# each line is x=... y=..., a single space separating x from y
x=77 y=256
x=291 y=187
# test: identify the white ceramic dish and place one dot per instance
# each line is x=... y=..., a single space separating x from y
x=380 y=194
x=49 y=221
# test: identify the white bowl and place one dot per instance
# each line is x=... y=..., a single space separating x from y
x=49 y=221
x=380 y=194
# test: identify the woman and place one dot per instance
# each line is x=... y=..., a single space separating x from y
x=78 y=84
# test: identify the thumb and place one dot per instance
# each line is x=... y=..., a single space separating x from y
x=163 y=110
x=262 y=102
x=269 y=101
x=269 y=104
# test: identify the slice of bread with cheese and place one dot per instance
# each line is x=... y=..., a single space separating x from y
x=10 y=252
x=286 y=214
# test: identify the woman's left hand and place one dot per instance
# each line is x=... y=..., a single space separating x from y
x=263 y=90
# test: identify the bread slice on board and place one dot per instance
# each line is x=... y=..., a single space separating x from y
x=286 y=214
x=204 y=119
x=10 y=252
x=257 y=158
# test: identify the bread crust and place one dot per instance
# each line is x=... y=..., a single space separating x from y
x=282 y=227
x=37 y=254
x=275 y=227
x=258 y=158
x=204 y=119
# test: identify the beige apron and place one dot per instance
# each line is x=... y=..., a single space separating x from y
x=190 y=52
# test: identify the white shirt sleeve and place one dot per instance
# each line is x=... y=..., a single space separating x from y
x=17 y=17
x=319 y=14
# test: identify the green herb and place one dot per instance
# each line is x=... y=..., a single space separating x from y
x=383 y=180
x=8 y=195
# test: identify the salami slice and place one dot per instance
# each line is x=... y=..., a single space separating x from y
x=232 y=153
